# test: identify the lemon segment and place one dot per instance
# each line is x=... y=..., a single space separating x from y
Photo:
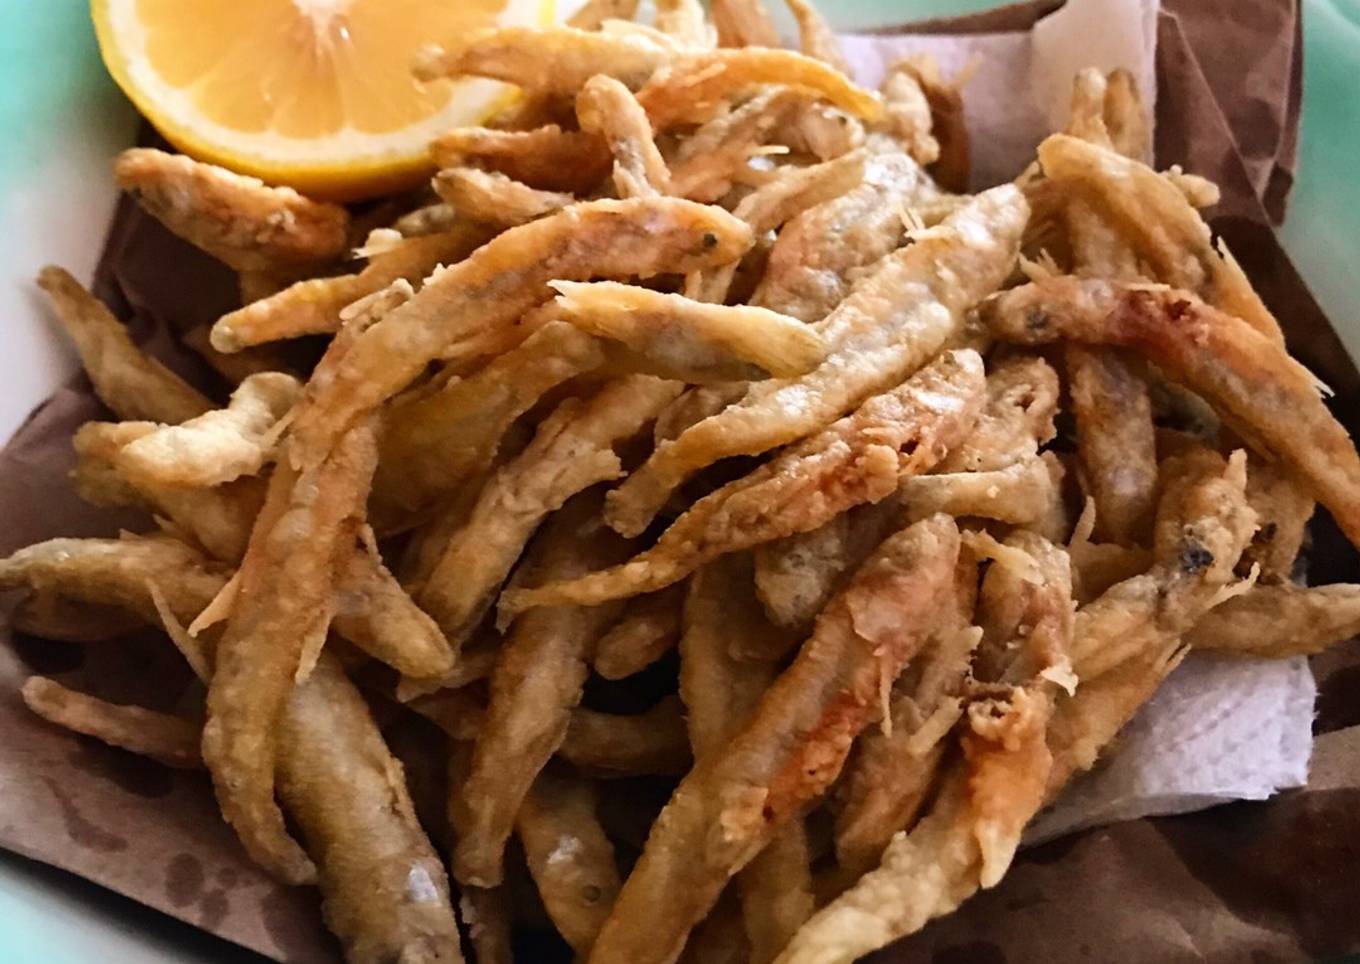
x=315 y=94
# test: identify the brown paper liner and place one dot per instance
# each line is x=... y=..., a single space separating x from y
x=1274 y=881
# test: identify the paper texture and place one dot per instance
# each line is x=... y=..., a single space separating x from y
x=1265 y=881
x=1215 y=731
x=1022 y=82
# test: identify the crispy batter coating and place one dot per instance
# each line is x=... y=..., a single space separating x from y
x=648 y=629
x=49 y=615
x=235 y=367
x=239 y=220
x=952 y=168
x=694 y=406
x=1181 y=473
x=165 y=738
x=1111 y=401
x=1108 y=111
x=1115 y=441
x=278 y=622
x=1162 y=225
x=1098 y=250
x=766 y=293
x=131 y=383
x=776 y=892
x=1085 y=725
x=1246 y=375
x=1283 y=509
x=607 y=108
x=1135 y=617
x=812 y=262
x=432 y=441
x=613 y=745
x=1086 y=115
x=964 y=843
x=1096 y=566
x=717 y=153
x=1019 y=494
x=572 y=450
x=97 y=477
x=1026 y=614
x=491 y=289
x=558 y=60
x=1005 y=749
x=694 y=84
x=384 y=892
x=924 y=874
x=906 y=114
x=117 y=572
x=894 y=322
x=1277 y=622
x=255 y=285
x=1126 y=119
x=797 y=575
x=815 y=36
x=1201 y=193
x=721 y=685
x=430 y=540
x=686 y=21
x=743 y=23
x=893 y=769
x=825 y=132
x=988 y=474
x=569 y=856
x=1135 y=628
x=722 y=612
x=1130 y=638
x=969 y=837
x=547 y=157
x=859 y=459
x=493 y=199
x=783 y=199
x=739 y=797
x=1060 y=519
x=594 y=13
x=314 y=306
x=218 y=519
x=536 y=685
x=601 y=745
x=690 y=340
x=460 y=713
x=1022 y=401
x=375 y=613
x=429 y=219
x=489 y=919
x=220 y=445
x=474 y=664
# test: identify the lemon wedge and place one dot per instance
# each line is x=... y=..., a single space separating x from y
x=314 y=94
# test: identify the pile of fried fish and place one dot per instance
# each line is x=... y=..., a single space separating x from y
x=697 y=365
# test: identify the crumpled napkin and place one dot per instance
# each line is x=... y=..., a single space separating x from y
x=1217 y=730
x=1021 y=83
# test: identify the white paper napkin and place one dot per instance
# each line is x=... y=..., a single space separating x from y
x=1023 y=81
x=1217 y=730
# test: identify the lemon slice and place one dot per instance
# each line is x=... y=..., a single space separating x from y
x=315 y=94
